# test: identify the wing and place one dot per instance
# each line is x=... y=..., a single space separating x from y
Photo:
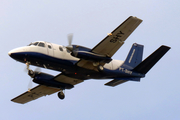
x=110 y=44
x=35 y=93
x=42 y=90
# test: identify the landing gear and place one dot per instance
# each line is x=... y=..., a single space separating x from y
x=61 y=95
x=95 y=64
x=27 y=64
x=101 y=68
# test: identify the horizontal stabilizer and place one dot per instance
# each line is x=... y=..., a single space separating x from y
x=150 y=61
x=120 y=81
x=115 y=82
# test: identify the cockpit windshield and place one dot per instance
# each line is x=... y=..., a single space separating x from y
x=34 y=44
x=40 y=44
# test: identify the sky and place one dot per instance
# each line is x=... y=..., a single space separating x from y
x=155 y=97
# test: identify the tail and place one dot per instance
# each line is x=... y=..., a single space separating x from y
x=150 y=61
x=134 y=57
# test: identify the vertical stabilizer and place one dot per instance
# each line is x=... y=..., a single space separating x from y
x=134 y=57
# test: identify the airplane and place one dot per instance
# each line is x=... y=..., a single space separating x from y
x=77 y=64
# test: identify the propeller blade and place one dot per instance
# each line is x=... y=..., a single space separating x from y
x=26 y=69
x=37 y=70
x=70 y=37
x=30 y=85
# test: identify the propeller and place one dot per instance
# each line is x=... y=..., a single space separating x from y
x=70 y=47
x=70 y=37
x=38 y=70
x=32 y=74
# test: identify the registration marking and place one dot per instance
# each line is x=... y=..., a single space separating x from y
x=125 y=70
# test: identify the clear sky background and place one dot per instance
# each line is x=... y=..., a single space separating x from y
x=156 y=97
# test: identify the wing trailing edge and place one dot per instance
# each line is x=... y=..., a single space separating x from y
x=116 y=82
x=113 y=83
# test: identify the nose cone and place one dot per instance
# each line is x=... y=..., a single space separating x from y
x=10 y=53
x=17 y=54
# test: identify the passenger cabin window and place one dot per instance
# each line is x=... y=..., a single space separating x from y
x=49 y=46
x=60 y=48
x=41 y=44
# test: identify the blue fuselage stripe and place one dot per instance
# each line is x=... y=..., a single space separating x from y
x=68 y=67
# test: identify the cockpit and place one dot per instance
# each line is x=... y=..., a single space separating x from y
x=40 y=44
x=43 y=44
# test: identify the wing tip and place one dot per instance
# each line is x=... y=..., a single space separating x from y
x=134 y=17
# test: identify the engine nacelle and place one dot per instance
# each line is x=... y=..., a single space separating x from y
x=91 y=56
x=85 y=53
x=47 y=80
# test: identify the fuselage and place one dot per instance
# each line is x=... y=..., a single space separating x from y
x=57 y=57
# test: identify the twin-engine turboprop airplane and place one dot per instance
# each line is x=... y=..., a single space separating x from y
x=77 y=63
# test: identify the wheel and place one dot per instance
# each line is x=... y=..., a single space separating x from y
x=100 y=68
x=61 y=95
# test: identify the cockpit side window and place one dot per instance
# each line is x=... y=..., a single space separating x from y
x=41 y=44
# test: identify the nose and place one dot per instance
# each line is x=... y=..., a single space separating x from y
x=17 y=52
x=12 y=52
x=9 y=53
